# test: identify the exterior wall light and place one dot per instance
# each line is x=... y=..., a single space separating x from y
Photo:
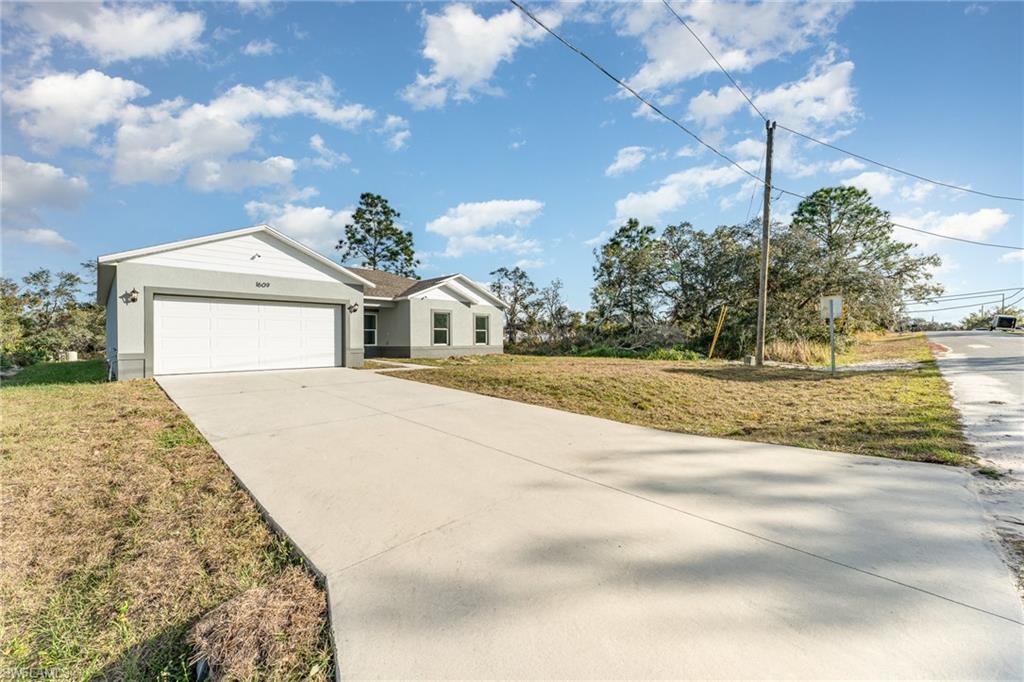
x=353 y=308
x=133 y=295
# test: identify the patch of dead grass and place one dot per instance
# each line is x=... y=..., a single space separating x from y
x=263 y=631
x=120 y=528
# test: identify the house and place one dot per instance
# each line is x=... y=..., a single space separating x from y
x=254 y=299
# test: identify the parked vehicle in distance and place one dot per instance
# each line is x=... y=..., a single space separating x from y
x=1003 y=322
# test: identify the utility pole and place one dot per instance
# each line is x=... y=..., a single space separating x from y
x=762 y=288
x=1002 y=306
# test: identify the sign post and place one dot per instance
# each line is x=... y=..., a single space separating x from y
x=830 y=307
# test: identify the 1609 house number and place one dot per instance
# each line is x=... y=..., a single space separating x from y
x=262 y=285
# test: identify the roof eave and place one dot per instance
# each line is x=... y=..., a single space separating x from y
x=115 y=258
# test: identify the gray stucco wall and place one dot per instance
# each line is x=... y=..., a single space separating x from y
x=462 y=337
x=393 y=324
x=404 y=331
x=134 y=320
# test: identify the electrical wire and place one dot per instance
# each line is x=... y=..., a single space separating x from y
x=707 y=145
x=760 y=113
x=631 y=91
x=750 y=204
x=711 y=54
x=967 y=294
x=955 y=307
x=1013 y=302
x=898 y=170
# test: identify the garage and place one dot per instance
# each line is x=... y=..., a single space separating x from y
x=197 y=334
x=237 y=301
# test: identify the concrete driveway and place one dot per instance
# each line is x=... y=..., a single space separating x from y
x=464 y=536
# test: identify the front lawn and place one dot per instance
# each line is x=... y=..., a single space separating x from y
x=127 y=544
x=903 y=414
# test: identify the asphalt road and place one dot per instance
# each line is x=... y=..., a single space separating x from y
x=986 y=374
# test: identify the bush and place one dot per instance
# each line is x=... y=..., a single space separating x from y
x=675 y=354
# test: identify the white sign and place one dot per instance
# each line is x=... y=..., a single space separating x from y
x=831 y=305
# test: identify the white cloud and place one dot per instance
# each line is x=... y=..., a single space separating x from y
x=29 y=187
x=823 y=97
x=675 y=191
x=316 y=226
x=877 y=184
x=210 y=175
x=845 y=166
x=710 y=109
x=259 y=48
x=688 y=151
x=1012 y=257
x=466 y=49
x=224 y=33
x=64 y=109
x=741 y=35
x=917 y=192
x=470 y=227
x=396 y=132
x=158 y=143
x=325 y=156
x=528 y=263
x=978 y=225
x=41 y=236
x=117 y=32
x=627 y=159
x=977 y=8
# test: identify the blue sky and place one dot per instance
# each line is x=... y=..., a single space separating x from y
x=128 y=125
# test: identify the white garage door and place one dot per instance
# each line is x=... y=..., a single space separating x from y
x=225 y=335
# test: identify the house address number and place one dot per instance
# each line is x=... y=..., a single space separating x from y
x=262 y=285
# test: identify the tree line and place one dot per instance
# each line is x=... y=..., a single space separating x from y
x=652 y=291
x=47 y=316
x=667 y=290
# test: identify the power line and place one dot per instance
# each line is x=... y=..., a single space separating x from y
x=955 y=307
x=822 y=142
x=711 y=54
x=631 y=91
x=958 y=239
x=899 y=170
x=753 y=191
x=1016 y=300
x=966 y=294
x=718 y=153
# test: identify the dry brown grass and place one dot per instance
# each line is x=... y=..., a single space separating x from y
x=120 y=528
x=903 y=414
x=867 y=347
x=263 y=631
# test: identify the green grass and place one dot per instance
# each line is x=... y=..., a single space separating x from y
x=121 y=529
x=903 y=414
x=84 y=372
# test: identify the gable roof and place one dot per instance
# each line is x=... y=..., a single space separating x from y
x=106 y=276
x=390 y=285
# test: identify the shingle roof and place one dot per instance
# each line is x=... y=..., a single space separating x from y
x=390 y=285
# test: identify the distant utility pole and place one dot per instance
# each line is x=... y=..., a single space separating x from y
x=762 y=288
x=1002 y=306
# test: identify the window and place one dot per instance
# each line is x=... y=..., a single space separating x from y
x=370 y=329
x=481 y=329
x=441 y=328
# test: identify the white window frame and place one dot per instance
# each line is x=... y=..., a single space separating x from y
x=486 y=330
x=447 y=328
x=376 y=327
